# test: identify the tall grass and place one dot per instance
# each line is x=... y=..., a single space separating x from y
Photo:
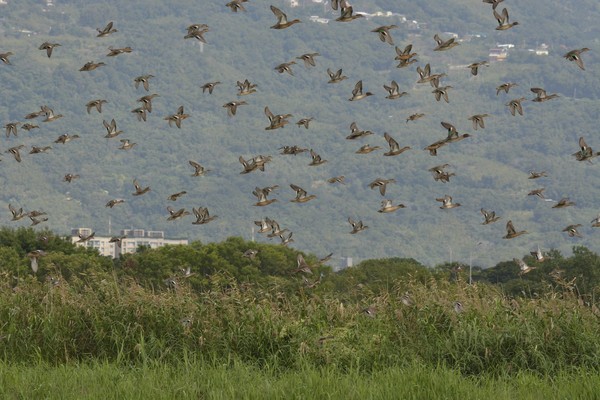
x=116 y=321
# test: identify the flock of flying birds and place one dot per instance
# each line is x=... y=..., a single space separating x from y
x=405 y=56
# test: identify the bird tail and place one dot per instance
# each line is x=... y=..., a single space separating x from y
x=34 y=264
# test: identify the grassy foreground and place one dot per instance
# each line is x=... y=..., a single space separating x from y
x=104 y=337
x=104 y=320
x=242 y=381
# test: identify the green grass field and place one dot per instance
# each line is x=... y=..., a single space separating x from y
x=241 y=381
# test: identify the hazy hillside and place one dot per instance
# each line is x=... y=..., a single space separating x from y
x=492 y=166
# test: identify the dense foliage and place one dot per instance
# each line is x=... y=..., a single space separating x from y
x=82 y=307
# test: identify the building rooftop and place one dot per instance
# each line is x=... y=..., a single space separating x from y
x=130 y=241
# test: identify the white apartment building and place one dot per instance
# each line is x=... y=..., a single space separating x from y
x=133 y=238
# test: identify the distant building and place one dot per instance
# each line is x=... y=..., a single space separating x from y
x=542 y=50
x=505 y=45
x=134 y=239
x=345 y=262
x=382 y=14
x=26 y=32
x=414 y=25
x=498 y=54
x=478 y=35
x=316 y=18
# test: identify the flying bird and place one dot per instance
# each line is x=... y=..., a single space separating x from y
x=444 y=44
x=114 y=202
x=197 y=33
x=514 y=106
x=572 y=230
x=11 y=127
x=16 y=152
x=34 y=256
x=90 y=66
x=262 y=193
x=478 y=120
x=282 y=19
x=384 y=33
x=285 y=67
x=564 y=202
x=316 y=159
x=347 y=13
x=575 y=56
x=301 y=195
x=394 y=146
x=232 y=107
x=542 y=96
x=84 y=238
x=4 y=57
x=494 y=3
x=177 y=117
x=539 y=256
x=202 y=216
x=489 y=216
x=511 y=232
x=366 y=149
x=505 y=87
x=210 y=86
x=116 y=51
x=97 y=104
x=381 y=184
x=176 y=196
x=304 y=122
x=111 y=128
x=176 y=214
x=236 y=5
x=49 y=47
x=536 y=174
x=199 y=170
x=302 y=266
x=144 y=80
x=126 y=144
x=309 y=59
x=476 y=65
x=585 y=152
x=107 y=30
x=523 y=268
x=335 y=77
x=388 y=207
x=503 y=20
x=414 y=117
x=357 y=93
x=447 y=202
x=441 y=93
x=357 y=226
x=70 y=177
x=139 y=190
x=16 y=214
x=393 y=91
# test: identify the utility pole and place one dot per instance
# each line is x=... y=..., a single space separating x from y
x=470 y=268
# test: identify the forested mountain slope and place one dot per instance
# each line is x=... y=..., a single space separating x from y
x=491 y=166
